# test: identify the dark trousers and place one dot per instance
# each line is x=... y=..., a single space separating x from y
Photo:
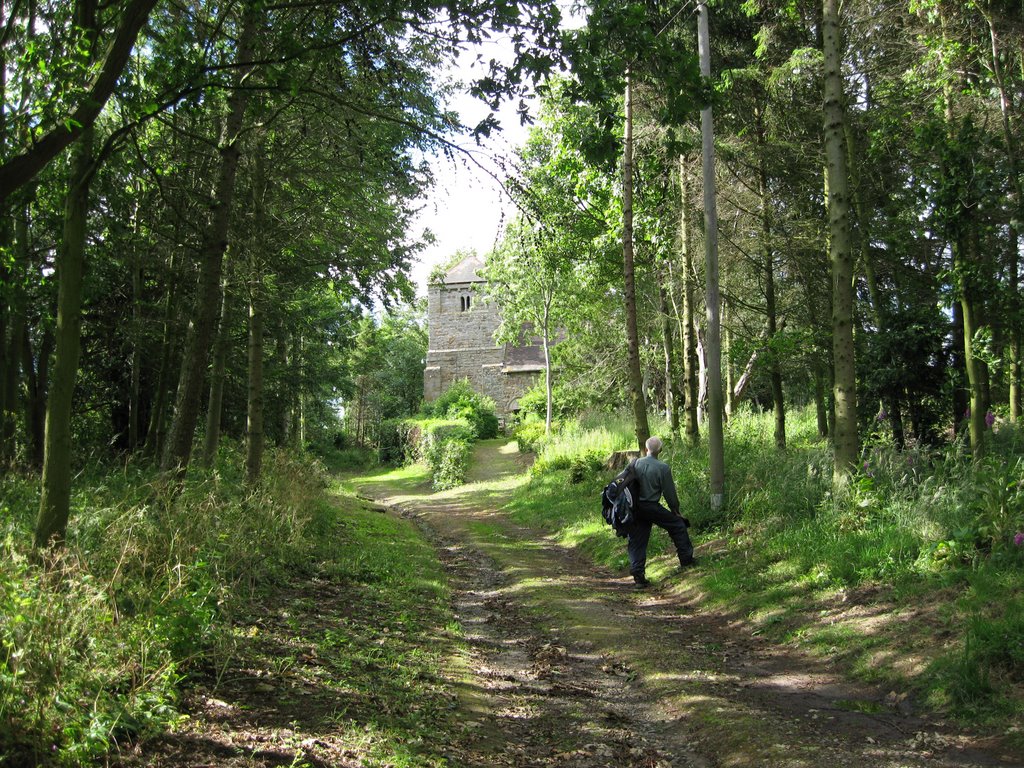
x=648 y=514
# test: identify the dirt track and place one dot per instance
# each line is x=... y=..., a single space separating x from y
x=571 y=667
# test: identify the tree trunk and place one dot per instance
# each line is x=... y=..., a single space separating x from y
x=297 y=437
x=964 y=240
x=636 y=381
x=820 y=404
x=54 y=507
x=846 y=444
x=961 y=400
x=36 y=383
x=702 y=376
x=11 y=341
x=281 y=397
x=969 y=306
x=158 y=408
x=135 y=393
x=254 y=437
x=689 y=343
x=55 y=499
x=211 y=438
x=548 y=384
x=728 y=368
x=197 y=343
x=6 y=361
x=890 y=393
x=716 y=436
x=671 y=389
x=768 y=259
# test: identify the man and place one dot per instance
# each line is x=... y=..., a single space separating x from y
x=654 y=480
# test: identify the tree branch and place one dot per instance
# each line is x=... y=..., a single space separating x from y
x=22 y=168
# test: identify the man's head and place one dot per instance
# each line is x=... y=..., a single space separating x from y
x=654 y=446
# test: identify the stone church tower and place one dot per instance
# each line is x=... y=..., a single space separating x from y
x=461 y=346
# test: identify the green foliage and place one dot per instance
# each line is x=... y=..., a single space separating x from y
x=568 y=400
x=391 y=442
x=460 y=401
x=443 y=445
x=94 y=641
x=585 y=465
x=529 y=434
x=384 y=370
x=590 y=440
x=450 y=464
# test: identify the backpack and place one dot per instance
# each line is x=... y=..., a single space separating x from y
x=619 y=499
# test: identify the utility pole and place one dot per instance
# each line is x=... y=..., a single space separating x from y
x=716 y=442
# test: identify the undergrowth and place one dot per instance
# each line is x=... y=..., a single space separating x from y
x=917 y=527
x=96 y=639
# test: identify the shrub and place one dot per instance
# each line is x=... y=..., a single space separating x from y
x=529 y=435
x=460 y=401
x=427 y=442
x=391 y=442
x=567 y=400
x=451 y=462
x=597 y=437
x=585 y=465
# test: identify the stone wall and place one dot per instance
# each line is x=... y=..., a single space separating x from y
x=462 y=346
x=452 y=327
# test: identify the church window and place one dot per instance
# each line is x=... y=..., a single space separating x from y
x=464 y=302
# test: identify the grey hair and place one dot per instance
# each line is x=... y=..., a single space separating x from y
x=654 y=445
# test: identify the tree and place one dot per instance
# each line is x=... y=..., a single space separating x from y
x=55 y=500
x=530 y=277
x=89 y=87
x=716 y=447
x=845 y=438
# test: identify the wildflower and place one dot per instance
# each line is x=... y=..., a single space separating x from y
x=1018 y=540
x=990 y=419
x=882 y=415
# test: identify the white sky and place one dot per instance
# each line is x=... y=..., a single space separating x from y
x=466 y=206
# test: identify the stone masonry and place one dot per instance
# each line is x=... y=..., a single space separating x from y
x=461 y=346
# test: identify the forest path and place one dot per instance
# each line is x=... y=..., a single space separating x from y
x=569 y=666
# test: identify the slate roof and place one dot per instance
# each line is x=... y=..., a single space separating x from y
x=528 y=358
x=466 y=271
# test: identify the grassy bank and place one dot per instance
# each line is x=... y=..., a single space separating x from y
x=911 y=577
x=160 y=591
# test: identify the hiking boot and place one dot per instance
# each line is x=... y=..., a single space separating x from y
x=640 y=581
x=684 y=564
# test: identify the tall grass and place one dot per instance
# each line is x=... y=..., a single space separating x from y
x=95 y=639
x=592 y=437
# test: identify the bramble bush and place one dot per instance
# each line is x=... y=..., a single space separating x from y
x=449 y=464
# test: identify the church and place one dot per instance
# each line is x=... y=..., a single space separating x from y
x=461 y=342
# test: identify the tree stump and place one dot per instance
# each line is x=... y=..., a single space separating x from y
x=620 y=459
